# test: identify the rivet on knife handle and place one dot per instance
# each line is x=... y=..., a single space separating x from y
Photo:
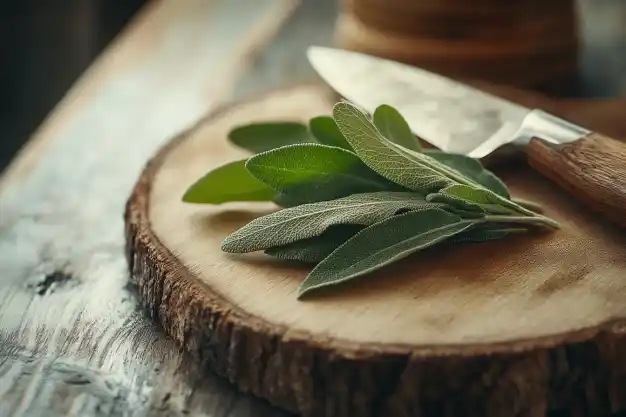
x=593 y=169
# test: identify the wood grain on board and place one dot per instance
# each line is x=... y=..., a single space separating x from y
x=503 y=310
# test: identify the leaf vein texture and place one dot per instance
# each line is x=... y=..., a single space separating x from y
x=309 y=220
x=383 y=243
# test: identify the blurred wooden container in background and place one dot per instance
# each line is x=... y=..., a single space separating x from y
x=525 y=43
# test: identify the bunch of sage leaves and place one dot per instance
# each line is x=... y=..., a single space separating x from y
x=357 y=193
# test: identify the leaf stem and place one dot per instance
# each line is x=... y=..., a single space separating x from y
x=521 y=209
x=529 y=205
x=535 y=220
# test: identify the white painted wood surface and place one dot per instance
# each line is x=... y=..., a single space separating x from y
x=72 y=339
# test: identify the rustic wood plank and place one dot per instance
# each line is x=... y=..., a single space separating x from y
x=72 y=339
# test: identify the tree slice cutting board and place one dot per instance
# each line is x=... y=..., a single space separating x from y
x=526 y=326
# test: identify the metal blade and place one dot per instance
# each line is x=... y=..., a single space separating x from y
x=450 y=115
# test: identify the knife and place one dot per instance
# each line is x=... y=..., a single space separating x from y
x=461 y=119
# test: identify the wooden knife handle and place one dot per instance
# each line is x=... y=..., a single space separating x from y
x=592 y=169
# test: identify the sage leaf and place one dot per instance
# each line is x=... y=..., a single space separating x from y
x=383 y=243
x=314 y=172
x=315 y=249
x=403 y=166
x=261 y=137
x=308 y=220
x=483 y=197
x=471 y=168
x=392 y=125
x=317 y=191
x=497 y=205
x=529 y=205
x=467 y=205
x=456 y=202
x=485 y=233
x=325 y=130
x=291 y=200
x=358 y=194
x=226 y=183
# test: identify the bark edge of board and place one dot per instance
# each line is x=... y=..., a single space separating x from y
x=581 y=373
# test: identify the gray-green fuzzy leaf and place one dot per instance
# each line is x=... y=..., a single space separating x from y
x=528 y=205
x=393 y=126
x=261 y=137
x=383 y=243
x=483 y=197
x=315 y=249
x=465 y=204
x=314 y=172
x=457 y=203
x=471 y=168
x=226 y=183
x=408 y=168
x=308 y=220
x=484 y=233
x=499 y=208
x=325 y=130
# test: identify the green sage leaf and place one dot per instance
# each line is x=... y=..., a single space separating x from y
x=294 y=199
x=471 y=168
x=485 y=233
x=314 y=172
x=383 y=243
x=456 y=202
x=261 y=137
x=308 y=220
x=408 y=168
x=483 y=197
x=528 y=205
x=325 y=130
x=314 y=249
x=392 y=125
x=499 y=208
x=226 y=183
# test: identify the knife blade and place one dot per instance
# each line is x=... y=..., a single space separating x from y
x=461 y=119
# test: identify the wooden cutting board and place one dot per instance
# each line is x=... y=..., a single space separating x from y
x=518 y=327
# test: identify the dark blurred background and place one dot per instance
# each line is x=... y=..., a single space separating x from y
x=45 y=45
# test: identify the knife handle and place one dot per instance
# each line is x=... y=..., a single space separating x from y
x=592 y=169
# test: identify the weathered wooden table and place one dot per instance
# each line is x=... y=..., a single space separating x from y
x=73 y=341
